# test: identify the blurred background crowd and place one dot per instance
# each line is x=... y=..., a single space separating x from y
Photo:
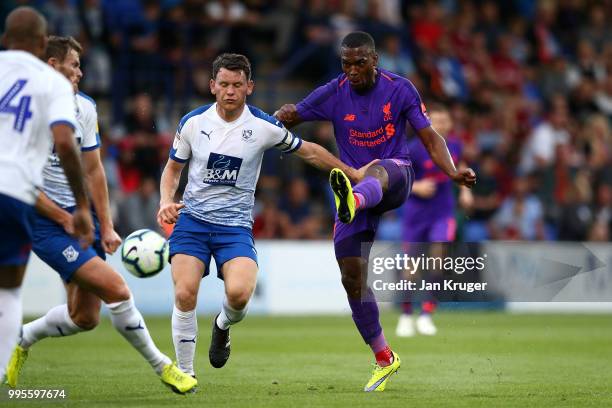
x=528 y=84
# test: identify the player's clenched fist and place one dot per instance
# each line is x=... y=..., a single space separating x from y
x=466 y=177
x=168 y=213
x=286 y=113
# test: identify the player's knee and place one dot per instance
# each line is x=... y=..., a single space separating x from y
x=352 y=284
x=379 y=173
x=86 y=320
x=185 y=298
x=118 y=292
x=238 y=298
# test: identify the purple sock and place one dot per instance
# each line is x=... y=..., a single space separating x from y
x=365 y=316
x=407 y=308
x=371 y=190
x=379 y=343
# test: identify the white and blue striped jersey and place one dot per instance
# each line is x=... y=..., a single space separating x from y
x=225 y=161
x=55 y=183
x=33 y=97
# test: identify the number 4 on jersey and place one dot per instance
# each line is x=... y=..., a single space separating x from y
x=21 y=111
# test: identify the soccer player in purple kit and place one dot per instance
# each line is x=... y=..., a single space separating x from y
x=369 y=109
x=429 y=213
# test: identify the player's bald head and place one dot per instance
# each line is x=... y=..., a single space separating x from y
x=25 y=29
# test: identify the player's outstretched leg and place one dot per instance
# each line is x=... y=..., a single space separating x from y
x=240 y=275
x=99 y=278
x=366 y=317
x=57 y=322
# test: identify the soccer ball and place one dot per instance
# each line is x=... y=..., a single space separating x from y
x=144 y=253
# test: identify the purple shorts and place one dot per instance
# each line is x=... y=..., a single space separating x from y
x=355 y=239
x=438 y=229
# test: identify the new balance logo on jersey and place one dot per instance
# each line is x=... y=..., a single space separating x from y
x=222 y=169
x=70 y=254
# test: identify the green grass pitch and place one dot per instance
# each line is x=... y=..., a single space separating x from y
x=478 y=359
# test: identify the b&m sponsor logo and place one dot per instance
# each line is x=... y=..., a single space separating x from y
x=222 y=169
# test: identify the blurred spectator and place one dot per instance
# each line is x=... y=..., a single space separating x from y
x=553 y=78
x=507 y=69
x=141 y=149
x=62 y=18
x=520 y=216
x=298 y=217
x=598 y=31
x=392 y=57
x=603 y=211
x=545 y=43
x=428 y=25
x=603 y=97
x=379 y=20
x=577 y=215
x=139 y=209
x=489 y=23
x=316 y=40
x=267 y=223
x=540 y=147
x=587 y=66
x=487 y=199
x=231 y=21
x=96 y=59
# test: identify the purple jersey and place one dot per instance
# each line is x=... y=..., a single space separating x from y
x=442 y=203
x=371 y=125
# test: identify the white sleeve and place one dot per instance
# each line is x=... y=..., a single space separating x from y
x=181 y=147
x=91 y=133
x=284 y=140
x=62 y=102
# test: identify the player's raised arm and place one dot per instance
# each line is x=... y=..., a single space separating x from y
x=168 y=209
x=321 y=158
x=65 y=147
x=436 y=146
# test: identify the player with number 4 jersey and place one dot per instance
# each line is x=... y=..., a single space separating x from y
x=88 y=278
x=37 y=108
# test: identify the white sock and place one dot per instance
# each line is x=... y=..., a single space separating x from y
x=229 y=315
x=184 y=336
x=129 y=322
x=10 y=323
x=56 y=323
